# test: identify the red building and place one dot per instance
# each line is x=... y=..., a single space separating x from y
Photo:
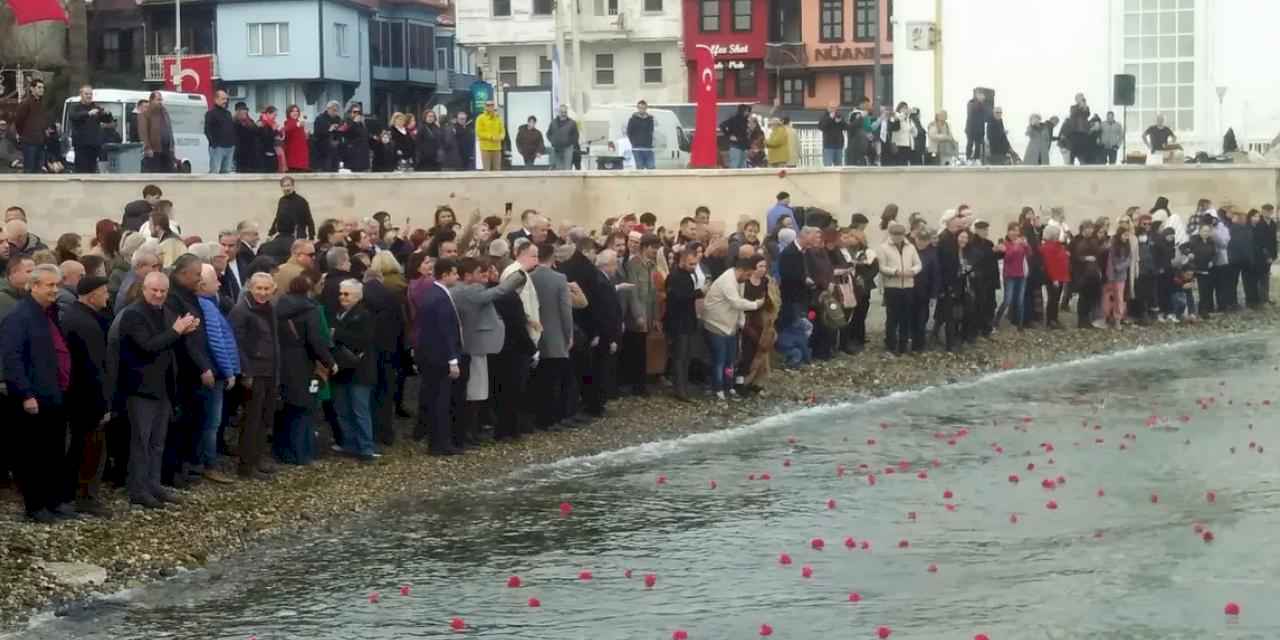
x=736 y=32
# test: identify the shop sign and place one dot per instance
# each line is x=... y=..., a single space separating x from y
x=836 y=53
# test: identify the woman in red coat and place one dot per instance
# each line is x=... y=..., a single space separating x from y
x=297 y=152
x=1057 y=268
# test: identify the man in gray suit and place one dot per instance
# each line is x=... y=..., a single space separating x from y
x=482 y=332
x=551 y=377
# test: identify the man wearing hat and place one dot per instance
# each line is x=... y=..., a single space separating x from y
x=85 y=326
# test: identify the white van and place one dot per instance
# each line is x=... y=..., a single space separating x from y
x=186 y=112
x=607 y=124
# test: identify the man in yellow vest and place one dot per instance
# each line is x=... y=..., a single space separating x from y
x=491 y=132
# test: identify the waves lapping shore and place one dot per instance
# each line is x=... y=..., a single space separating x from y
x=137 y=547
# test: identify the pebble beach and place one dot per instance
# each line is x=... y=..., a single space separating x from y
x=136 y=547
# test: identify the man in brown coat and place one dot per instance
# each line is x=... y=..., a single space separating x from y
x=155 y=131
x=30 y=122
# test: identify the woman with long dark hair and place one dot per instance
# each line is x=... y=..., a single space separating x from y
x=305 y=365
x=427 y=147
x=297 y=152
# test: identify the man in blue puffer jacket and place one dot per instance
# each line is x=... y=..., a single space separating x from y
x=221 y=341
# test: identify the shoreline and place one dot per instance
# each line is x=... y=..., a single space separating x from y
x=139 y=547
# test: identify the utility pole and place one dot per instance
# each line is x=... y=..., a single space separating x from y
x=177 y=45
x=937 y=56
x=576 y=97
x=565 y=89
x=875 y=54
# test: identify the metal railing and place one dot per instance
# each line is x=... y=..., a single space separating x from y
x=154 y=68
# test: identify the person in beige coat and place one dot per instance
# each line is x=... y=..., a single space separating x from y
x=899 y=264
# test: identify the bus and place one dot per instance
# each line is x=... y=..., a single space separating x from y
x=186 y=112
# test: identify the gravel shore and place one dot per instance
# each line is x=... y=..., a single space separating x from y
x=137 y=546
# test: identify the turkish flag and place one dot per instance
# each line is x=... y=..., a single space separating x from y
x=195 y=76
x=28 y=11
x=705 y=154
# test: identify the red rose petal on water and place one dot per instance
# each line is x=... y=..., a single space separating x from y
x=911 y=515
x=679 y=634
x=650 y=579
x=1013 y=477
x=831 y=503
x=850 y=543
x=1155 y=498
x=784 y=558
x=949 y=507
x=903 y=543
x=1051 y=505
x=766 y=630
x=871 y=479
x=1031 y=466
x=982 y=636
x=1013 y=518
x=936 y=463
x=864 y=545
x=839 y=471
x=817 y=544
x=1211 y=497
x=1207 y=536
x=751 y=476
x=627 y=574
x=662 y=479
x=786 y=462
x=513 y=582
x=883 y=632
x=933 y=568
x=1232 y=609
x=405 y=589
x=1101 y=493
x=871 y=441
x=923 y=475
x=584 y=575
x=535 y=603
x=806 y=571
x=457 y=624
x=713 y=484
x=947 y=494
x=765 y=476
x=374 y=598
x=855 y=597
x=565 y=508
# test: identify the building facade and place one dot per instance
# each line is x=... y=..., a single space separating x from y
x=823 y=52
x=736 y=32
x=1181 y=53
x=615 y=51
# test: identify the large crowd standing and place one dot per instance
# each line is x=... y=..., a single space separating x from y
x=127 y=363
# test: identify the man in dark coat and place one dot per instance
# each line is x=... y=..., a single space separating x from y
x=605 y=333
x=86 y=130
x=339 y=269
x=326 y=138
x=388 y=320
x=248 y=141
x=88 y=400
x=793 y=279
x=681 y=321
x=253 y=320
x=439 y=357
x=195 y=368
x=220 y=131
x=975 y=125
x=551 y=375
x=734 y=129
x=37 y=372
x=832 y=127
x=948 y=270
x=293 y=213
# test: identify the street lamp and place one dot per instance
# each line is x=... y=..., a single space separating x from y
x=1222 y=93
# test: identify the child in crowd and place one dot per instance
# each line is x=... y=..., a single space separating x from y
x=793 y=343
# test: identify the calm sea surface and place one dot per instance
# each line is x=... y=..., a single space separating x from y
x=1154 y=432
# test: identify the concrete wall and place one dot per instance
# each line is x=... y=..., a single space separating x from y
x=205 y=204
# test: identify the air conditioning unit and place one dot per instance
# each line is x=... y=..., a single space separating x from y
x=922 y=36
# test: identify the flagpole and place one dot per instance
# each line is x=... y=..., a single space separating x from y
x=177 y=45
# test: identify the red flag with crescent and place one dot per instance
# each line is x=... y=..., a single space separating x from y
x=195 y=76
x=28 y=11
x=704 y=152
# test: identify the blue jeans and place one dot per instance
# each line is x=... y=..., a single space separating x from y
x=295 y=441
x=724 y=353
x=1015 y=293
x=832 y=157
x=351 y=401
x=33 y=158
x=644 y=158
x=207 y=442
x=221 y=159
x=562 y=159
x=737 y=158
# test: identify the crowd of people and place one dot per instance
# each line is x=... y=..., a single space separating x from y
x=132 y=358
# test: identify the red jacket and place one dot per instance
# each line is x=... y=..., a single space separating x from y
x=1057 y=264
x=296 y=151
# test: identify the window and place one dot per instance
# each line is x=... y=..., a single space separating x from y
x=604 y=69
x=507 y=74
x=741 y=15
x=653 y=6
x=793 y=92
x=606 y=7
x=544 y=71
x=442 y=58
x=744 y=81
x=386 y=43
x=653 y=68
x=268 y=38
x=720 y=75
x=831 y=21
x=1159 y=50
x=853 y=87
x=542 y=7
x=502 y=8
x=116 y=49
x=421 y=39
x=709 y=15
x=866 y=20
x=340 y=39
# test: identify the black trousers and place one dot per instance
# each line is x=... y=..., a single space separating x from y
x=511 y=380
x=1052 y=302
x=549 y=383
x=897 y=327
x=1033 y=301
x=920 y=320
x=1164 y=293
x=87 y=159
x=680 y=349
x=1252 y=277
x=184 y=432
x=86 y=455
x=435 y=390
x=41 y=460
x=1207 y=284
x=1143 y=304
x=596 y=383
x=382 y=401
x=459 y=427
x=633 y=360
x=1227 y=279
x=1090 y=296
x=158 y=163
x=855 y=333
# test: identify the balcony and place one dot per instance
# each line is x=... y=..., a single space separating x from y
x=155 y=67
x=785 y=55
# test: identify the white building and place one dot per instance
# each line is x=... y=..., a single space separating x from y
x=1037 y=54
x=626 y=50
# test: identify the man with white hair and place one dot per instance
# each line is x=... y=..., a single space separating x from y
x=253 y=321
x=793 y=278
x=72 y=272
x=37 y=374
x=145 y=261
x=328 y=138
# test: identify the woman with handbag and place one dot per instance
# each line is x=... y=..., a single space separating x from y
x=865 y=268
x=306 y=364
x=846 y=290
